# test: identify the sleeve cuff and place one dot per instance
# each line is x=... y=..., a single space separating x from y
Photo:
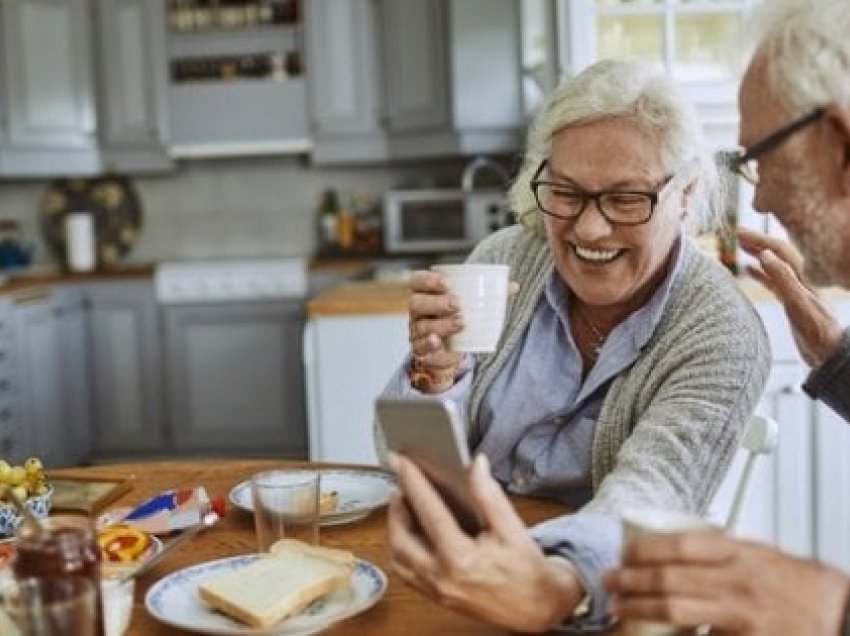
x=828 y=382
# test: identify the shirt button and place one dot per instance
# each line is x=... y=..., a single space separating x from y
x=520 y=482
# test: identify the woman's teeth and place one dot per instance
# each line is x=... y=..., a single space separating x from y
x=597 y=256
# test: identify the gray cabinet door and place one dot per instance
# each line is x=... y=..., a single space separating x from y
x=343 y=77
x=132 y=69
x=15 y=439
x=40 y=380
x=125 y=347
x=416 y=63
x=49 y=91
x=76 y=393
x=235 y=378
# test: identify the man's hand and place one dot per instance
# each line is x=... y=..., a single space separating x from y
x=816 y=330
x=499 y=576
x=737 y=587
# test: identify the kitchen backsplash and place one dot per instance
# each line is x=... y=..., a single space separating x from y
x=232 y=208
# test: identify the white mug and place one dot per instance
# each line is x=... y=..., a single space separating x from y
x=483 y=294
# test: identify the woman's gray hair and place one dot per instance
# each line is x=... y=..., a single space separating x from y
x=807 y=43
x=636 y=91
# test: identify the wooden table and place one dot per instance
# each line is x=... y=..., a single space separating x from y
x=400 y=611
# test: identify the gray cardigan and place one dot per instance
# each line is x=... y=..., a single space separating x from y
x=670 y=423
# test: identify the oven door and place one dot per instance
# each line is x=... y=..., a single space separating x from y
x=426 y=221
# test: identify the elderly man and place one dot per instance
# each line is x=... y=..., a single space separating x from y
x=795 y=126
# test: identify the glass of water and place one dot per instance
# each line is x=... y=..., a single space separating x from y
x=286 y=505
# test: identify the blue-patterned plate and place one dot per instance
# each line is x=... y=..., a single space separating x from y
x=174 y=600
x=360 y=492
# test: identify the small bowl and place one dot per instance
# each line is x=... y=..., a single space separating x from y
x=10 y=518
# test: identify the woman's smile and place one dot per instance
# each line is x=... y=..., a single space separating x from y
x=596 y=256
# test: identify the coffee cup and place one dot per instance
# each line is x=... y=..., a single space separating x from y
x=482 y=291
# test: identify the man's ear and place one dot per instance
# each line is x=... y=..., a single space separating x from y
x=839 y=117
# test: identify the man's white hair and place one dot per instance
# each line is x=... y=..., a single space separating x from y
x=634 y=91
x=807 y=44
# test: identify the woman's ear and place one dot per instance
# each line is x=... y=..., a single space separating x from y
x=839 y=117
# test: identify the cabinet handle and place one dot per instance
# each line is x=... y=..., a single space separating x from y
x=790 y=389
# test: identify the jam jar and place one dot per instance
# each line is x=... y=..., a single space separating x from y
x=65 y=547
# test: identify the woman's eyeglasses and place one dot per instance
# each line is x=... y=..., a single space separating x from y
x=618 y=207
x=745 y=162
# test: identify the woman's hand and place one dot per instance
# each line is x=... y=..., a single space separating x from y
x=499 y=576
x=434 y=316
x=816 y=330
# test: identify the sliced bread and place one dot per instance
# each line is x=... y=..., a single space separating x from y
x=283 y=583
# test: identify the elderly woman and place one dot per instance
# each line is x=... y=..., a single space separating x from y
x=627 y=368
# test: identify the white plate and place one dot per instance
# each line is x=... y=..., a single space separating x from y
x=174 y=600
x=360 y=492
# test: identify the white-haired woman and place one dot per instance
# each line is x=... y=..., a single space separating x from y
x=627 y=367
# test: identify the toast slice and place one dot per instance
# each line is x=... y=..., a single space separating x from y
x=280 y=584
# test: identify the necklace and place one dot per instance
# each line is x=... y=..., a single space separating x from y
x=597 y=333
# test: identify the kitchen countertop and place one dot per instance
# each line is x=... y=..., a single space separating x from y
x=42 y=277
x=374 y=298
x=361 y=297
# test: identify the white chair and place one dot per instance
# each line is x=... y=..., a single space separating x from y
x=760 y=438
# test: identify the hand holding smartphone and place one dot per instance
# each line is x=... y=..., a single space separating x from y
x=430 y=432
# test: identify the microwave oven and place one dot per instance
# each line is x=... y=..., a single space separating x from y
x=441 y=220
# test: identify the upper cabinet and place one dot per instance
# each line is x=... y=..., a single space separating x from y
x=131 y=66
x=392 y=79
x=236 y=78
x=61 y=113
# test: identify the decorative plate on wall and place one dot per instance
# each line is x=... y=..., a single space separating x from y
x=113 y=203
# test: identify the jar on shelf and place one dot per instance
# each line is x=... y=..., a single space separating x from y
x=203 y=15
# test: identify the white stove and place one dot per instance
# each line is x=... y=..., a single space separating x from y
x=231 y=280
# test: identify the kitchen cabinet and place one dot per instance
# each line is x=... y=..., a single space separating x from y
x=71 y=319
x=15 y=440
x=62 y=114
x=132 y=78
x=348 y=361
x=234 y=378
x=125 y=368
x=413 y=79
x=235 y=92
x=39 y=376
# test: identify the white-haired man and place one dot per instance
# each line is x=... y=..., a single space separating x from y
x=795 y=127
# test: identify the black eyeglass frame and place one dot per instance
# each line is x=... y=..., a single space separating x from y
x=775 y=139
x=595 y=196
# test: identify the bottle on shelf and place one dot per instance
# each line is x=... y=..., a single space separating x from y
x=345 y=226
x=328 y=216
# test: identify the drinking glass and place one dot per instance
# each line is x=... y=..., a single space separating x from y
x=286 y=504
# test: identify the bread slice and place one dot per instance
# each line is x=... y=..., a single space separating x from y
x=283 y=583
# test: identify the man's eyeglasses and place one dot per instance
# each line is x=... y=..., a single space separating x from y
x=745 y=162
x=618 y=207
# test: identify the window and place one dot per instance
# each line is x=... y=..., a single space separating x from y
x=694 y=40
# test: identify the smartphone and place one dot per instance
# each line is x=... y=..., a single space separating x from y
x=430 y=432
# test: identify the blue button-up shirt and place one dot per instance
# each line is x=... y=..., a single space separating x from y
x=538 y=421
